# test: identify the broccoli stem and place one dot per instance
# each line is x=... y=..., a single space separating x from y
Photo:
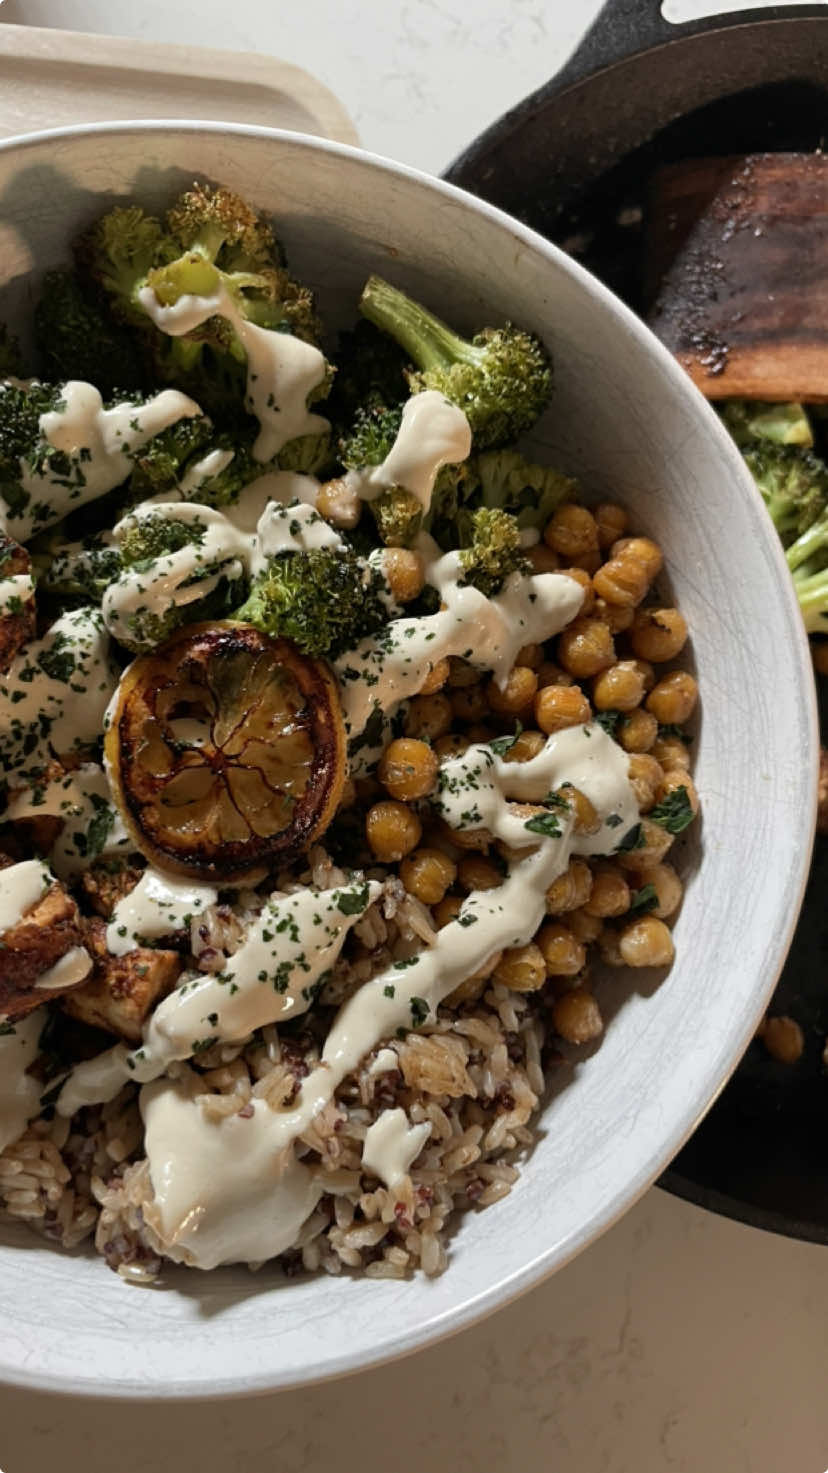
x=424 y=337
x=812 y=541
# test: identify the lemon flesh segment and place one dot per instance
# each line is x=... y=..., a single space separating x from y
x=226 y=752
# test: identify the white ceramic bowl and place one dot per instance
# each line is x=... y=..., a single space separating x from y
x=627 y=420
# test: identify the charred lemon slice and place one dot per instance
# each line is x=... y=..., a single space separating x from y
x=226 y=752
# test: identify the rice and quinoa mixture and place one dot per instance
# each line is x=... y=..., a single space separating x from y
x=474 y=1073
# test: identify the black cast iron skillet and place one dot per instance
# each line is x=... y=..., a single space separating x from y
x=573 y=161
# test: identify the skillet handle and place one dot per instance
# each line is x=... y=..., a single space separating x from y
x=626 y=28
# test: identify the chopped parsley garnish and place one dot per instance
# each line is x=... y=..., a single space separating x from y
x=634 y=838
x=419 y=1011
x=501 y=745
x=352 y=902
x=671 y=730
x=644 y=900
x=6 y=1028
x=389 y=990
x=674 y=812
x=201 y=1045
x=608 y=720
x=613 y=821
x=544 y=823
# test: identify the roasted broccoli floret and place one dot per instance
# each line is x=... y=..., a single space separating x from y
x=793 y=483
x=163 y=463
x=371 y=434
x=143 y=539
x=11 y=360
x=808 y=561
x=325 y=600
x=370 y=369
x=76 y=339
x=501 y=379
x=210 y=239
x=397 y=513
x=492 y=551
x=74 y=569
x=749 y=420
x=530 y=492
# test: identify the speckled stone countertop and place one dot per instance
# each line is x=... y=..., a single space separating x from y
x=678 y=1343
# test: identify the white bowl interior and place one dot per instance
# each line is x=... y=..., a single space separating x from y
x=626 y=420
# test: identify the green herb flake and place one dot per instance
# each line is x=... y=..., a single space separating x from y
x=644 y=900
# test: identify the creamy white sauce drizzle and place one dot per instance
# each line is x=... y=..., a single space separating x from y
x=92 y=827
x=15 y=592
x=388 y=667
x=155 y=907
x=177 y=578
x=72 y=967
x=55 y=693
x=212 y=464
x=193 y=1225
x=296 y=528
x=385 y=1061
x=221 y=1195
x=21 y=886
x=282 y=370
x=273 y=975
x=19 y=1092
x=391 y=1145
x=101 y=442
x=433 y=432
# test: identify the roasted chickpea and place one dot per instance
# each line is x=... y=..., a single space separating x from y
x=581 y=576
x=611 y=521
x=526 y=746
x=576 y=1016
x=531 y=655
x=339 y=503
x=622 y=580
x=476 y=873
x=673 y=699
x=453 y=744
x=447 y=910
x=637 y=731
x=610 y=895
x=587 y=820
x=563 y=954
x=571 y=890
x=668 y=888
x=571 y=531
x=436 y=678
x=479 y=732
x=427 y=874
x=646 y=942
x=404 y=571
x=584 y=927
x=783 y=1038
x=549 y=673
x=521 y=969
x=477 y=840
x=559 y=706
x=644 y=550
x=469 y=702
x=392 y=831
x=408 y=769
x=658 y=634
x=656 y=842
x=516 y=694
x=618 y=617
x=428 y=716
x=671 y=752
x=461 y=673
x=676 y=778
x=618 y=688
x=646 y=777
x=585 y=647
x=543 y=559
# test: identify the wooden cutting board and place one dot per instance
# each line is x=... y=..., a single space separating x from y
x=736 y=272
x=53 y=78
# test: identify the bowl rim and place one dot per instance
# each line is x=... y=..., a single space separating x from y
x=479 y=1305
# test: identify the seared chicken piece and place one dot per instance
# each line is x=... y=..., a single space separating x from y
x=107 y=882
x=29 y=950
x=122 y=990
